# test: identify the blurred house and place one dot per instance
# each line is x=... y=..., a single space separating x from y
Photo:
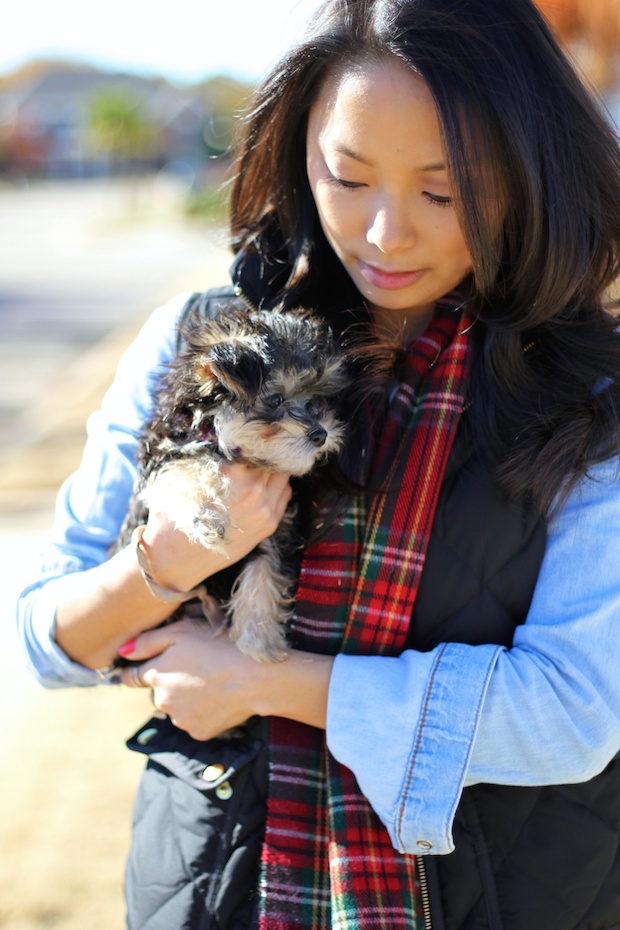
x=64 y=120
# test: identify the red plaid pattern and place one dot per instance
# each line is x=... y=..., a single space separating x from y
x=327 y=859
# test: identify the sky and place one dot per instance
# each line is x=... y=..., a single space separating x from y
x=184 y=40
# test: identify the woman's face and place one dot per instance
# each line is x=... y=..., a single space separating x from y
x=376 y=168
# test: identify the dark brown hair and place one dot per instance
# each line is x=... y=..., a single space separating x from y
x=520 y=129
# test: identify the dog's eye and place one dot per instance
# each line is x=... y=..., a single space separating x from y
x=275 y=400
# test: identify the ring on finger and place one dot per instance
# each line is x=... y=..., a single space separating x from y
x=135 y=681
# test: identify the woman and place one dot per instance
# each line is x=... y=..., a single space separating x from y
x=438 y=169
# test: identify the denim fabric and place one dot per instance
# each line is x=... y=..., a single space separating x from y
x=546 y=711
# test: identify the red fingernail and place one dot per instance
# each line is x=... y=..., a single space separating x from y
x=127 y=648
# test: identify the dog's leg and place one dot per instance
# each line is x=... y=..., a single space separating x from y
x=259 y=608
x=192 y=493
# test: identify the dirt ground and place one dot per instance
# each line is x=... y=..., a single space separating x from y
x=66 y=778
x=66 y=808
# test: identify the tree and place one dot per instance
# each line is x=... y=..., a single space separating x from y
x=119 y=129
x=591 y=31
x=224 y=99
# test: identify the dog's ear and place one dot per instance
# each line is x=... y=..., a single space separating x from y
x=238 y=367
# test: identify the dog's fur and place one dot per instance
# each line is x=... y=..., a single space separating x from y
x=258 y=387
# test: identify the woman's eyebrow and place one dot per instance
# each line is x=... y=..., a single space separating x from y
x=345 y=150
x=424 y=169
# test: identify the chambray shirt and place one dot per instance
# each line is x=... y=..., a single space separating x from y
x=415 y=729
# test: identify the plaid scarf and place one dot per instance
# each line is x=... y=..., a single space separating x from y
x=327 y=860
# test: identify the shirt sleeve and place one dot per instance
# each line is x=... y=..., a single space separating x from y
x=92 y=503
x=546 y=711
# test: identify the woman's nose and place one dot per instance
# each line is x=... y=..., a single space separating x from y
x=392 y=228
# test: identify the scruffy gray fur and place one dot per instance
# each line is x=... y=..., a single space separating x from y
x=258 y=387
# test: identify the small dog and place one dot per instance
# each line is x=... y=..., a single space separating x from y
x=258 y=387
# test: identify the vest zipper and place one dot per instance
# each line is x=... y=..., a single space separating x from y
x=424 y=895
x=246 y=300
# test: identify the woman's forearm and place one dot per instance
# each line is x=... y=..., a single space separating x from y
x=296 y=688
x=109 y=604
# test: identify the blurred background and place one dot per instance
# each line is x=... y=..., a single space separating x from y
x=115 y=132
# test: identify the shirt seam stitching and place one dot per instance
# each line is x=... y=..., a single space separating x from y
x=416 y=748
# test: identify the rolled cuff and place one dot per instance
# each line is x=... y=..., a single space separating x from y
x=47 y=662
x=405 y=727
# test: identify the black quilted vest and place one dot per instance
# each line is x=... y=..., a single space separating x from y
x=541 y=858
x=526 y=858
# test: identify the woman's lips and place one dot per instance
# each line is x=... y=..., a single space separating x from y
x=389 y=280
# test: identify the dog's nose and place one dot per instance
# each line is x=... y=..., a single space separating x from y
x=318 y=436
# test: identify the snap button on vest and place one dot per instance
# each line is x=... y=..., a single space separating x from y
x=224 y=791
x=213 y=772
x=147 y=735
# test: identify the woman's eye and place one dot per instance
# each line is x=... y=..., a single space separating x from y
x=275 y=400
x=437 y=199
x=340 y=182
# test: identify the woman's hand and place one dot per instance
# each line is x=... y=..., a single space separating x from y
x=206 y=685
x=111 y=603
x=255 y=503
x=199 y=679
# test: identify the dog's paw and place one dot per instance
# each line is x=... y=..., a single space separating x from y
x=210 y=529
x=192 y=494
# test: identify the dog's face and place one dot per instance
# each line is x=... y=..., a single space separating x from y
x=270 y=384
